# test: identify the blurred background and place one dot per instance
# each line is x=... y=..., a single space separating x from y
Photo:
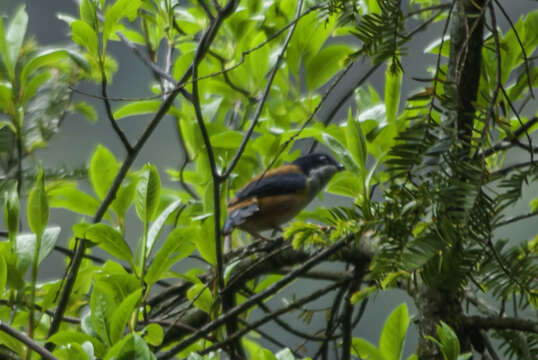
x=78 y=138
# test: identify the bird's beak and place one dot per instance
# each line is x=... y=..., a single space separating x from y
x=340 y=167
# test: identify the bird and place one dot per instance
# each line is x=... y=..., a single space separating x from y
x=277 y=196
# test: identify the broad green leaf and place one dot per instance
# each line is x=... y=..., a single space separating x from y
x=137 y=108
x=200 y=295
x=48 y=57
x=122 y=314
x=103 y=170
x=363 y=293
x=6 y=102
x=26 y=245
x=178 y=245
x=87 y=12
x=71 y=198
x=87 y=110
x=130 y=347
x=285 y=354
x=148 y=193
x=66 y=337
x=257 y=351
x=84 y=35
x=373 y=7
x=154 y=334
x=205 y=242
x=48 y=241
x=394 y=332
x=155 y=228
x=4 y=52
x=325 y=64
x=450 y=345
x=365 y=350
x=114 y=13
x=227 y=140
x=110 y=240
x=11 y=212
x=102 y=306
x=393 y=84
x=33 y=86
x=342 y=154
x=125 y=196
x=12 y=343
x=345 y=183
x=3 y=274
x=356 y=142
x=14 y=38
x=38 y=207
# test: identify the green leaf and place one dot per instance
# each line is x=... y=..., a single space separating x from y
x=155 y=228
x=33 y=86
x=102 y=306
x=103 y=170
x=48 y=57
x=394 y=332
x=285 y=354
x=38 y=207
x=3 y=274
x=87 y=11
x=14 y=38
x=11 y=212
x=87 y=110
x=154 y=334
x=130 y=347
x=356 y=142
x=114 y=13
x=148 y=193
x=200 y=295
x=341 y=153
x=393 y=85
x=137 y=108
x=66 y=337
x=4 y=52
x=70 y=198
x=125 y=196
x=6 y=102
x=325 y=64
x=12 y=343
x=450 y=345
x=110 y=240
x=178 y=245
x=84 y=35
x=26 y=246
x=122 y=314
x=365 y=350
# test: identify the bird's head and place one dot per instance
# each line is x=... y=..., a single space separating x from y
x=319 y=168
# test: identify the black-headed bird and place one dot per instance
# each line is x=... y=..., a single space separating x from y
x=277 y=196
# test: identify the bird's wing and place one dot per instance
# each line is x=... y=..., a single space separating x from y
x=245 y=203
x=270 y=185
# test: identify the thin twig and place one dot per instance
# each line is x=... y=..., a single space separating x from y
x=271 y=290
x=516 y=218
x=264 y=97
x=523 y=51
x=119 y=132
x=205 y=41
x=314 y=296
x=45 y=354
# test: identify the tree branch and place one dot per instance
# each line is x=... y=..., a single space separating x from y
x=500 y=323
x=45 y=354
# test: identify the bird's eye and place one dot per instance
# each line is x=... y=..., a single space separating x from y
x=323 y=158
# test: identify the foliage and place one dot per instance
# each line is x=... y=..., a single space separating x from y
x=243 y=82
